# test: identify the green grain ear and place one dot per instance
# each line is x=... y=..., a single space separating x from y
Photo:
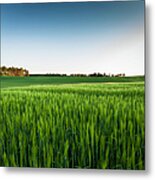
x=73 y=126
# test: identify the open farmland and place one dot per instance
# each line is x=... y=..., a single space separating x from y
x=8 y=81
x=88 y=125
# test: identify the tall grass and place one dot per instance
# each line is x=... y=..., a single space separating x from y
x=73 y=126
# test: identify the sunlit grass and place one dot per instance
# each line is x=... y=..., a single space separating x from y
x=73 y=126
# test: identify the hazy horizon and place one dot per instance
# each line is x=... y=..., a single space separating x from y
x=79 y=37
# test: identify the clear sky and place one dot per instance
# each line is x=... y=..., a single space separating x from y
x=74 y=37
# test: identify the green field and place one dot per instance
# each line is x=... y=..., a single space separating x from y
x=72 y=122
x=47 y=80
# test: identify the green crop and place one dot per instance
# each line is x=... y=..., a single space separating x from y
x=16 y=81
x=73 y=126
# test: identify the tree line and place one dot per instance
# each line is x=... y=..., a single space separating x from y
x=13 y=71
x=82 y=75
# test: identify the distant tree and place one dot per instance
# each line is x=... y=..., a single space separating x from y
x=13 y=71
x=104 y=74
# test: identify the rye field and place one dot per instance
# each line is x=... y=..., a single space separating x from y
x=61 y=124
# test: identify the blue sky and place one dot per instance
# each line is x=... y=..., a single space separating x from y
x=74 y=37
